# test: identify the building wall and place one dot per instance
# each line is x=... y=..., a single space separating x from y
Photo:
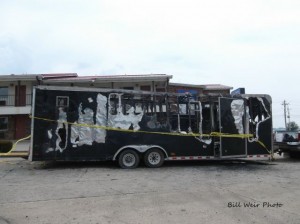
x=175 y=89
x=138 y=85
x=19 y=122
x=194 y=91
x=12 y=85
x=18 y=119
x=222 y=92
x=10 y=132
x=22 y=127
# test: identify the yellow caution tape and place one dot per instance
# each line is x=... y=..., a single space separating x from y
x=269 y=151
x=212 y=134
x=14 y=146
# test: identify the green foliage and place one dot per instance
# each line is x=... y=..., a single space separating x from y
x=292 y=126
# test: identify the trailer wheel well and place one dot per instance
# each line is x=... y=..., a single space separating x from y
x=127 y=148
x=140 y=149
x=117 y=154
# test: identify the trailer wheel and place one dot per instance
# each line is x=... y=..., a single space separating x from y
x=154 y=158
x=128 y=159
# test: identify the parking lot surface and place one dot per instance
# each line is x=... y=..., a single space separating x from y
x=178 y=192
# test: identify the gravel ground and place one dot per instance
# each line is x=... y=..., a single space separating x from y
x=178 y=192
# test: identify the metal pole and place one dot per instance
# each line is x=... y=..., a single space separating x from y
x=284 y=105
x=289 y=117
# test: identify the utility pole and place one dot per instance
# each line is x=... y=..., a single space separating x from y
x=289 y=117
x=285 y=105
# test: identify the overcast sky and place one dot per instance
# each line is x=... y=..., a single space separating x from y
x=241 y=43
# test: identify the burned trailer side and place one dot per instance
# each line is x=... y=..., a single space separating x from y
x=99 y=124
x=63 y=123
x=246 y=126
x=81 y=124
x=259 y=125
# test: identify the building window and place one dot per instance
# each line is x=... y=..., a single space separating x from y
x=3 y=90
x=160 y=90
x=3 y=124
x=145 y=88
x=3 y=95
x=62 y=101
x=128 y=88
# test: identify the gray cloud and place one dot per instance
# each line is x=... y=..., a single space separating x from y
x=252 y=44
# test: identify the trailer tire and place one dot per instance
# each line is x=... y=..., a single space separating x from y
x=154 y=158
x=128 y=159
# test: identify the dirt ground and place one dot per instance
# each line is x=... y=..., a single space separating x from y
x=178 y=192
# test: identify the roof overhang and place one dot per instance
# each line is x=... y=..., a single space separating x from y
x=113 y=78
x=204 y=87
x=14 y=78
x=34 y=77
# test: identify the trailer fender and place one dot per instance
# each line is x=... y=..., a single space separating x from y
x=140 y=149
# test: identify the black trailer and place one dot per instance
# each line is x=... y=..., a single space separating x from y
x=89 y=124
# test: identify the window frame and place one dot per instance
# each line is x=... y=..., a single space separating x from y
x=58 y=98
x=6 y=118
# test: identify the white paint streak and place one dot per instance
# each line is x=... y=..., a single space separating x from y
x=256 y=139
x=49 y=150
x=125 y=121
x=82 y=134
x=50 y=134
x=99 y=133
x=206 y=140
x=237 y=110
x=85 y=133
x=61 y=124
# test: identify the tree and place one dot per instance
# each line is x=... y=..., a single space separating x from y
x=292 y=126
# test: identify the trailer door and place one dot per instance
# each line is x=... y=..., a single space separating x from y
x=232 y=127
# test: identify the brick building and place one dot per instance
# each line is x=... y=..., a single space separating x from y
x=198 y=90
x=16 y=93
